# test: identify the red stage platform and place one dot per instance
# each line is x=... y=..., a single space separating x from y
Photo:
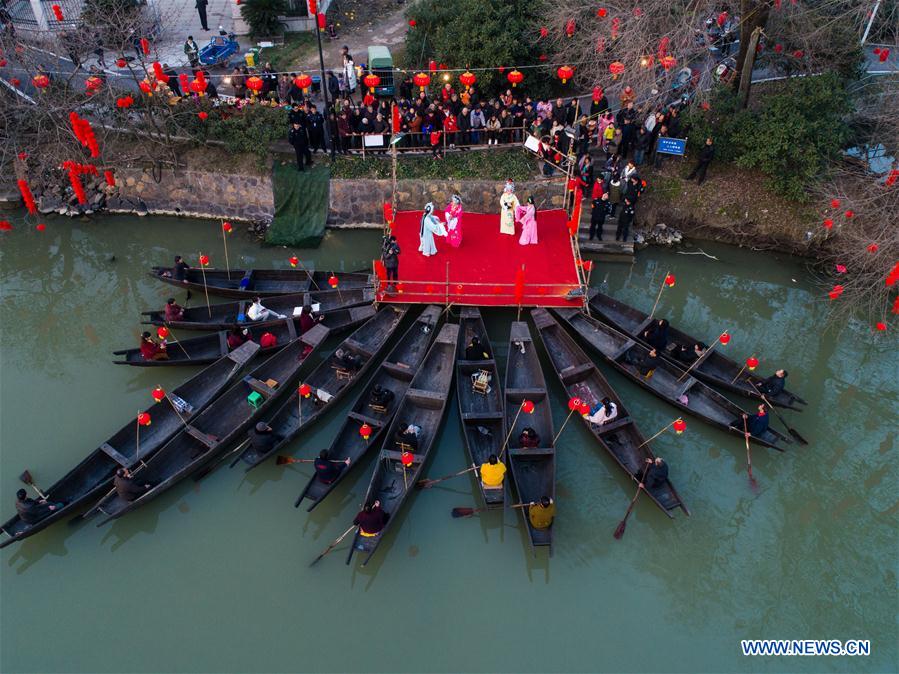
x=482 y=271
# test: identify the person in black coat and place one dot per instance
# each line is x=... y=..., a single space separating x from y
x=656 y=473
x=262 y=439
x=390 y=256
x=628 y=134
x=127 y=487
x=31 y=511
x=327 y=470
x=315 y=126
x=706 y=154
x=775 y=384
x=656 y=334
x=297 y=138
x=622 y=233
x=601 y=208
x=201 y=10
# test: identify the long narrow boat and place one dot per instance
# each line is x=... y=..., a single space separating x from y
x=207 y=348
x=92 y=478
x=329 y=382
x=424 y=405
x=230 y=315
x=480 y=401
x=394 y=375
x=533 y=469
x=581 y=379
x=220 y=425
x=667 y=382
x=715 y=369
x=250 y=283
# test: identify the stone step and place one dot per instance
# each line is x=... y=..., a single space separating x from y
x=625 y=248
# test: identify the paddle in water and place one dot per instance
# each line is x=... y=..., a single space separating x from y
x=334 y=544
x=752 y=483
x=790 y=430
x=622 y=525
x=468 y=512
x=427 y=484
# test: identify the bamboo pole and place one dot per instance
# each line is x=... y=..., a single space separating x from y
x=564 y=423
x=225 y=242
x=741 y=370
x=205 y=287
x=659 y=296
x=702 y=357
x=511 y=429
x=665 y=428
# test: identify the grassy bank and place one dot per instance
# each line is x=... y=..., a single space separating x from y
x=474 y=165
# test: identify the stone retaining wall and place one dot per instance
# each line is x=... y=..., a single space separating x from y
x=358 y=203
x=194 y=193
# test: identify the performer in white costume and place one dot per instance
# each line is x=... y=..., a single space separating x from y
x=430 y=226
x=508 y=202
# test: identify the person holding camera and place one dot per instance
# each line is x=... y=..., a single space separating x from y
x=390 y=256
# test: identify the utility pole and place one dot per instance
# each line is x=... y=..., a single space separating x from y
x=324 y=86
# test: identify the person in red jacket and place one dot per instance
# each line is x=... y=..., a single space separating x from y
x=450 y=127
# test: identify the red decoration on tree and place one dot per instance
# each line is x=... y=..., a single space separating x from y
x=752 y=362
x=724 y=338
x=588 y=265
x=254 y=84
x=162 y=332
x=873 y=247
x=884 y=55
x=432 y=66
x=849 y=213
x=158 y=394
x=616 y=68
x=601 y=12
x=5 y=226
x=371 y=81
x=203 y=115
x=836 y=292
x=527 y=406
x=40 y=227
x=544 y=31
x=333 y=281
x=421 y=80
x=124 y=102
x=57 y=12
x=184 y=84
x=569 y=27
x=467 y=78
x=305 y=390
x=143 y=419
x=27 y=197
x=15 y=81
x=412 y=23
x=199 y=84
x=841 y=268
x=121 y=63
x=313 y=7
x=828 y=223
x=204 y=260
x=893 y=276
x=896 y=305
x=365 y=431
x=778 y=49
x=145 y=46
x=881 y=326
x=515 y=77
x=22 y=156
x=663 y=46
x=146 y=87
x=109 y=177
x=679 y=426
x=542 y=58
x=40 y=81
x=834 y=203
x=565 y=73
x=158 y=73
x=670 y=280
x=667 y=62
x=798 y=54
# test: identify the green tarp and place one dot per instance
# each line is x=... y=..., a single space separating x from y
x=301 y=205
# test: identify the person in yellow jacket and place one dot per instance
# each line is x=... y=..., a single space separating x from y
x=542 y=514
x=492 y=473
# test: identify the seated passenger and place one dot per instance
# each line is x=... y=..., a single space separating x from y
x=476 y=351
x=492 y=473
x=528 y=438
x=127 y=488
x=327 y=470
x=371 y=520
x=604 y=413
x=173 y=311
x=150 y=350
x=381 y=396
x=541 y=514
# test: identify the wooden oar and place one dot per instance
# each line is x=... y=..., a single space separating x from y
x=468 y=512
x=622 y=525
x=287 y=460
x=333 y=545
x=427 y=484
x=790 y=430
x=752 y=483
x=27 y=479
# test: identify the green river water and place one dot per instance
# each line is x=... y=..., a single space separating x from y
x=215 y=576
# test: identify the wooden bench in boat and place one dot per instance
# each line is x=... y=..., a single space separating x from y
x=482 y=416
x=686 y=386
x=424 y=398
x=574 y=373
x=532 y=394
x=613 y=425
x=399 y=370
x=259 y=386
x=116 y=456
x=398 y=456
x=623 y=350
x=356 y=346
x=204 y=438
x=374 y=423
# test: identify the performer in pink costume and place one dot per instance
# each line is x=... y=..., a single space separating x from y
x=526 y=215
x=453 y=215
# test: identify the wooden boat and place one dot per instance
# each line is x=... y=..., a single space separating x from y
x=533 y=469
x=394 y=374
x=667 y=381
x=207 y=348
x=92 y=478
x=581 y=379
x=329 y=382
x=220 y=425
x=251 y=283
x=424 y=405
x=716 y=369
x=227 y=315
x=480 y=401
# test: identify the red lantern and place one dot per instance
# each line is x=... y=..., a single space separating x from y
x=597 y=94
x=305 y=390
x=322 y=21
x=527 y=406
x=467 y=78
x=896 y=305
x=303 y=81
x=569 y=27
x=584 y=409
x=365 y=431
x=407 y=459
x=40 y=81
x=881 y=326
x=515 y=77
x=588 y=265
x=109 y=177
x=679 y=426
x=828 y=223
x=849 y=213
x=836 y=292
x=565 y=73
x=752 y=362
x=203 y=115
x=544 y=31
x=121 y=63
x=873 y=248
x=15 y=81
x=204 y=260
x=421 y=80
x=884 y=55
x=254 y=84
x=724 y=338
x=2 y=63
x=412 y=23
x=601 y=12
x=616 y=68
x=227 y=228
x=159 y=73
x=333 y=281
x=371 y=81
x=162 y=332
x=313 y=7
x=834 y=203
x=841 y=268
x=143 y=419
x=542 y=58
x=798 y=54
x=158 y=394
x=294 y=261
x=27 y=197
x=574 y=403
x=145 y=46
x=667 y=62
x=184 y=84
x=40 y=227
x=199 y=85
x=670 y=280
x=778 y=49
x=124 y=102
x=57 y=12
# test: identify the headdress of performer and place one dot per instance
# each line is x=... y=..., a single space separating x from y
x=510 y=186
x=429 y=208
x=456 y=199
x=531 y=200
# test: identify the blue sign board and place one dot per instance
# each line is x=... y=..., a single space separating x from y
x=676 y=146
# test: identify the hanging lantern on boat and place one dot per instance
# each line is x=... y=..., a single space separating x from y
x=204 y=260
x=303 y=81
x=679 y=426
x=515 y=77
x=670 y=280
x=40 y=227
x=294 y=260
x=724 y=338
x=371 y=81
x=305 y=390
x=565 y=73
x=365 y=431
x=407 y=459
x=143 y=419
x=574 y=403
x=527 y=406
x=421 y=80
x=158 y=394
x=333 y=281
x=752 y=362
x=227 y=228
x=162 y=332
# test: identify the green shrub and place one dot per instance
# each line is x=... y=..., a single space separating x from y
x=475 y=165
x=262 y=16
